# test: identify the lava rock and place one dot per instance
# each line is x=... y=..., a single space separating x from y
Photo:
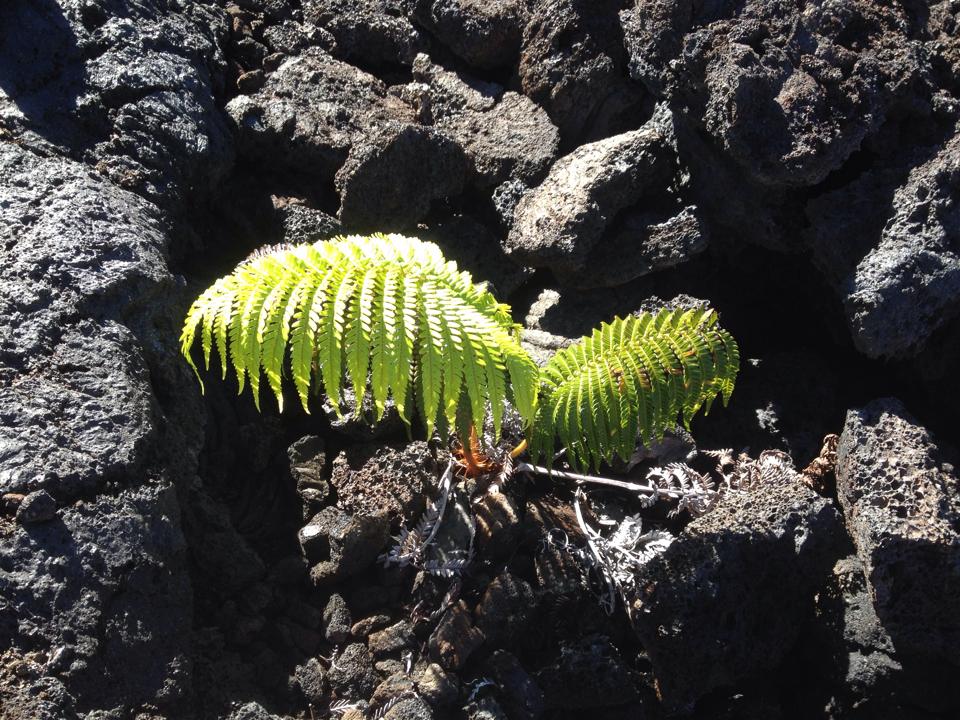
x=901 y=504
x=411 y=708
x=336 y=620
x=559 y=222
x=747 y=569
x=292 y=38
x=251 y=711
x=299 y=223
x=352 y=674
x=362 y=628
x=341 y=544
x=572 y=63
x=438 y=93
x=307 y=464
x=365 y=426
x=486 y=708
x=392 y=639
x=394 y=480
x=311 y=679
x=908 y=285
x=310 y=113
x=129 y=89
x=486 y=35
x=498 y=524
x=588 y=674
x=438 y=687
x=36 y=507
x=369 y=33
x=789 y=92
x=513 y=140
x=505 y=610
x=506 y=197
x=455 y=638
x=389 y=181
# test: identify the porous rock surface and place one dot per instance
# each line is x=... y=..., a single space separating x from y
x=901 y=504
x=746 y=569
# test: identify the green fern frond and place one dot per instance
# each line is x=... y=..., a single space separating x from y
x=388 y=315
x=634 y=375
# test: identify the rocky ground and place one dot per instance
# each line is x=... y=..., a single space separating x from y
x=169 y=555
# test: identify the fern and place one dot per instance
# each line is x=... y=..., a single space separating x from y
x=632 y=376
x=384 y=313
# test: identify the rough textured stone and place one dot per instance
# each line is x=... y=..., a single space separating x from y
x=370 y=33
x=310 y=113
x=311 y=678
x=573 y=64
x=341 y=544
x=307 y=466
x=756 y=559
x=901 y=504
x=389 y=182
x=484 y=33
x=789 y=91
x=297 y=222
x=519 y=694
x=394 y=480
x=411 y=708
x=336 y=620
x=129 y=89
x=365 y=427
x=38 y=506
x=352 y=675
x=505 y=610
x=558 y=223
x=908 y=284
x=395 y=638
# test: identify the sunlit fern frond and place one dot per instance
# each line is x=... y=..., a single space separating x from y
x=385 y=313
x=635 y=375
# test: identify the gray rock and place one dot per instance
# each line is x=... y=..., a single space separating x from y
x=498 y=518
x=484 y=34
x=455 y=638
x=411 y=708
x=908 y=284
x=388 y=182
x=477 y=249
x=307 y=466
x=558 y=223
x=106 y=583
x=513 y=140
x=37 y=507
x=299 y=223
x=369 y=33
x=336 y=620
x=311 y=678
x=394 y=480
x=438 y=93
x=292 y=38
x=352 y=675
x=486 y=708
x=901 y=504
x=506 y=197
x=370 y=624
x=641 y=243
x=340 y=544
x=789 y=92
x=588 y=674
x=757 y=559
x=572 y=64
x=310 y=113
x=251 y=711
x=129 y=90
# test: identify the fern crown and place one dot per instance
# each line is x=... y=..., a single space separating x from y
x=390 y=316
x=385 y=312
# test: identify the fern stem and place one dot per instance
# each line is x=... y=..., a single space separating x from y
x=594 y=480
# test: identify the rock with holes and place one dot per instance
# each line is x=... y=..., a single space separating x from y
x=38 y=506
x=901 y=504
x=393 y=639
x=757 y=559
x=573 y=65
x=395 y=480
x=351 y=674
x=409 y=708
x=557 y=224
x=339 y=544
x=336 y=620
x=370 y=33
x=519 y=695
x=590 y=673
x=507 y=607
x=296 y=222
x=389 y=182
x=789 y=91
x=484 y=34
x=310 y=113
x=130 y=90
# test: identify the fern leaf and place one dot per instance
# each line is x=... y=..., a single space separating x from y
x=633 y=376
